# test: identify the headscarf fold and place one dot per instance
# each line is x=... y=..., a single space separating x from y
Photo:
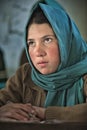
x=65 y=86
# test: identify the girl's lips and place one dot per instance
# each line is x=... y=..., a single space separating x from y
x=42 y=63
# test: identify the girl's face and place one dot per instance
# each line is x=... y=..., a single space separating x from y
x=43 y=48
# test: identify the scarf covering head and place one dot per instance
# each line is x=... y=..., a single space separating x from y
x=65 y=86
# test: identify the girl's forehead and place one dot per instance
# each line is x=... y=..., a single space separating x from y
x=40 y=30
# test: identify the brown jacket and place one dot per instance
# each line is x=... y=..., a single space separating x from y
x=21 y=89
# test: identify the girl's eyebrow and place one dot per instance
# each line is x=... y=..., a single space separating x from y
x=30 y=39
x=48 y=36
x=41 y=37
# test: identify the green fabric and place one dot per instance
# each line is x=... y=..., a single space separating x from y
x=65 y=86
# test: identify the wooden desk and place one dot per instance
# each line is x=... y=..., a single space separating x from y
x=43 y=126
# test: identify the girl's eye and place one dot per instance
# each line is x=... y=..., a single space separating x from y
x=48 y=40
x=31 y=43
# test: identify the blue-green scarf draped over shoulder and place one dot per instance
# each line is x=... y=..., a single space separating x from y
x=65 y=86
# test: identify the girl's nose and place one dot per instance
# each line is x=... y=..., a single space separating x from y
x=40 y=51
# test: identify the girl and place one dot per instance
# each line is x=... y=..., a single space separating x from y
x=53 y=84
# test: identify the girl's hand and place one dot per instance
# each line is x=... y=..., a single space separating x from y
x=40 y=112
x=17 y=112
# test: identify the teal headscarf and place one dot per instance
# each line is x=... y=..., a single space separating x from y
x=65 y=86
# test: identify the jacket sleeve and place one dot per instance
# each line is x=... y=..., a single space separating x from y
x=13 y=91
x=74 y=113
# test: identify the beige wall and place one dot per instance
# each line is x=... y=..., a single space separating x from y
x=77 y=9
